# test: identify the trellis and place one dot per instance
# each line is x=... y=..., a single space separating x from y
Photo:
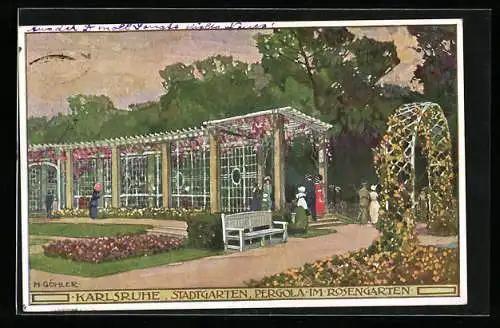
x=43 y=177
x=86 y=173
x=154 y=170
x=238 y=174
x=395 y=159
x=190 y=174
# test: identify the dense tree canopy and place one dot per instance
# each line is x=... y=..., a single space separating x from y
x=438 y=73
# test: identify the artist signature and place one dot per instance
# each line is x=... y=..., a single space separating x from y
x=56 y=284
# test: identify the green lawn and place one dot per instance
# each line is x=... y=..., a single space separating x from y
x=84 y=229
x=82 y=269
x=313 y=233
x=39 y=241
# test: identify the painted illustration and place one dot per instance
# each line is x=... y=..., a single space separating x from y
x=200 y=166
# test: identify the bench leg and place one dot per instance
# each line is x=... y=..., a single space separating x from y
x=241 y=241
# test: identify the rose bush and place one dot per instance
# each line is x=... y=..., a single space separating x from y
x=134 y=213
x=105 y=249
x=372 y=266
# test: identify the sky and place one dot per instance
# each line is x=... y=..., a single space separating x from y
x=125 y=66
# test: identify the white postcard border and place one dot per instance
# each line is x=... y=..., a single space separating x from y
x=108 y=28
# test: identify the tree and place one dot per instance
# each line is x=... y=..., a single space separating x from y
x=438 y=73
x=212 y=88
x=37 y=127
x=88 y=115
x=90 y=112
x=341 y=71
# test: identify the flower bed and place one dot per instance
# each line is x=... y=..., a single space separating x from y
x=134 y=213
x=372 y=266
x=106 y=249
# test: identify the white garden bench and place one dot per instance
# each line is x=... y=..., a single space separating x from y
x=241 y=227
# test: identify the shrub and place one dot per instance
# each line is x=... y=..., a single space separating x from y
x=446 y=221
x=283 y=215
x=301 y=223
x=105 y=249
x=372 y=266
x=205 y=231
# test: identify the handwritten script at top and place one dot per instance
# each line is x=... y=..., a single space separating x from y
x=148 y=27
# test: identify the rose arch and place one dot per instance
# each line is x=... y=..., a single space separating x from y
x=394 y=160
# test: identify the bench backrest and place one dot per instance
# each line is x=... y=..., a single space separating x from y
x=248 y=220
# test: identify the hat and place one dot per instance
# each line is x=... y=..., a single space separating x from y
x=302 y=189
x=267 y=178
x=373 y=187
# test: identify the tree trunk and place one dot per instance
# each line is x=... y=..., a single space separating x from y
x=309 y=73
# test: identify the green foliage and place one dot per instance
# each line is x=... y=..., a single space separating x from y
x=86 y=120
x=205 y=231
x=301 y=224
x=283 y=215
x=339 y=70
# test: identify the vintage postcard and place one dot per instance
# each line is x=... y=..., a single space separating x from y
x=242 y=165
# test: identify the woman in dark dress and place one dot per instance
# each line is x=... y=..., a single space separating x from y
x=94 y=202
x=255 y=205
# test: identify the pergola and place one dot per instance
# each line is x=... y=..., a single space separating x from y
x=280 y=125
x=185 y=168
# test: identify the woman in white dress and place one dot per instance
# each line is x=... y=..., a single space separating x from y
x=301 y=198
x=374 y=205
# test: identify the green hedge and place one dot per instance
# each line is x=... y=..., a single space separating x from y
x=205 y=231
x=299 y=226
x=301 y=222
x=283 y=215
